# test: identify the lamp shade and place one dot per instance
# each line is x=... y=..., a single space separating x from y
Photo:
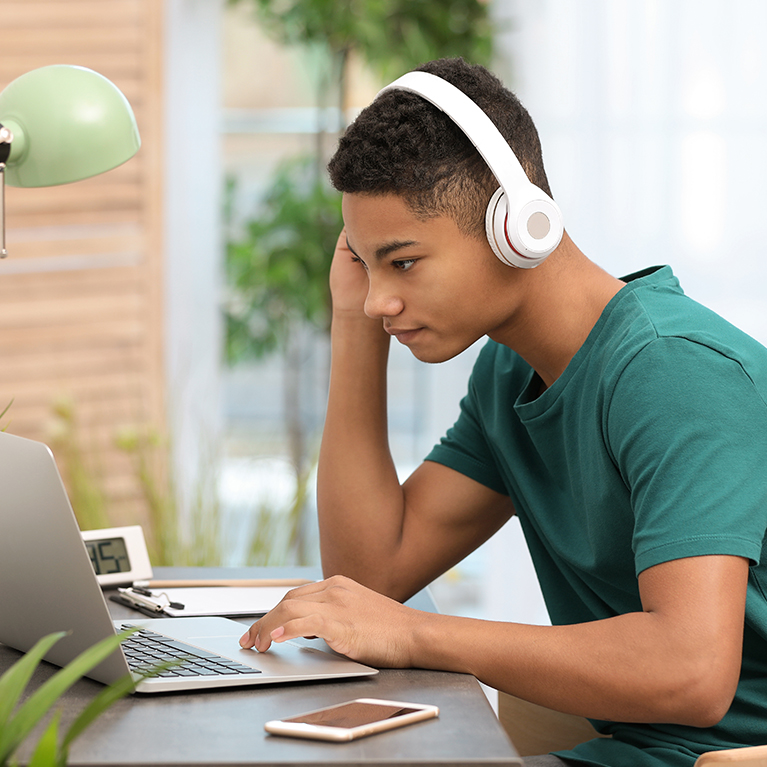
x=68 y=123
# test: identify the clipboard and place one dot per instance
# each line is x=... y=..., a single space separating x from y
x=192 y=600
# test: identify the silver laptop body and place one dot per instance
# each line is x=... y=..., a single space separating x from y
x=47 y=584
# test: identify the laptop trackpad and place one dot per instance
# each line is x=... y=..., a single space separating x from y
x=283 y=659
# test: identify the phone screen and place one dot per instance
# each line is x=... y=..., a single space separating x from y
x=352 y=714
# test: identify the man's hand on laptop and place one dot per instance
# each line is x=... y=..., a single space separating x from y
x=353 y=620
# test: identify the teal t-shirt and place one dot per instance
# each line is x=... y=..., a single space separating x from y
x=651 y=446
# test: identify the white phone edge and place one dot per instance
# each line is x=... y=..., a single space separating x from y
x=343 y=734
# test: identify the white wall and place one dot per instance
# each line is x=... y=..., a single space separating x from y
x=653 y=120
x=193 y=249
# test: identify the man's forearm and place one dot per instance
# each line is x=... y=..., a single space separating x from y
x=360 y=501
x=678 y=660
x=627 y=668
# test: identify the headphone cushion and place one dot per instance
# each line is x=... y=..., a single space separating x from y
x=495 y=220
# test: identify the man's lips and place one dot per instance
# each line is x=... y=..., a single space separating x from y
x=403 y=335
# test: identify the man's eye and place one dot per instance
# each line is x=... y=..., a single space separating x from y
x=404 y=265
x=358 y=260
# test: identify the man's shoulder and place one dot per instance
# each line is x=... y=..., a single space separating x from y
x=655 y=310
x=671 y=317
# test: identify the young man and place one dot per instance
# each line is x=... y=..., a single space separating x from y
x=623 y=423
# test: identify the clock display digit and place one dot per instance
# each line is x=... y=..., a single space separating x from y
x=108 y=556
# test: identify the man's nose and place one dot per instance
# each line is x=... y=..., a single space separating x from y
x=381 y=302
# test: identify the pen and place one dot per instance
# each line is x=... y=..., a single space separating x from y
x=147 y=593
x=138 y=600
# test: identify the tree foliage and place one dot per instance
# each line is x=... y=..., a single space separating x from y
x=277 y=271
x=392 y=36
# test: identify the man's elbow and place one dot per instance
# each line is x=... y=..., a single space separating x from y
x=712 y=708
x=705 y=714
x=705 y=698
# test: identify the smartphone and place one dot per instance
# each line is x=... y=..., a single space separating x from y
x=351 y=720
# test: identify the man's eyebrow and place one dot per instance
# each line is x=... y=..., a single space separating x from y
x=387 y=248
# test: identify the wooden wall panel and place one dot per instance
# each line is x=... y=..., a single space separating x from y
x=81 y=314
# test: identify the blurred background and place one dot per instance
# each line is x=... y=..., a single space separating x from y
x=164 y=326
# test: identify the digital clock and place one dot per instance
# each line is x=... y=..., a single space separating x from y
x=118 y=554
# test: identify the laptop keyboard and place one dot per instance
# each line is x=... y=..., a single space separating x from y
x=146 y=649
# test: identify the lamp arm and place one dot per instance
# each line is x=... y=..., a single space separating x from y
x=6 y=137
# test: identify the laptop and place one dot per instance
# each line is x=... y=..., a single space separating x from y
x=48 y=584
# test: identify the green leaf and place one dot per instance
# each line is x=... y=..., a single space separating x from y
x=38 y=704
x=108 y=696
x=7 y=408
x=97 y=706
x=46 y=752
x=16 y=678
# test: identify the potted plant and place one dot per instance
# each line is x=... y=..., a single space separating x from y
x=17 y=720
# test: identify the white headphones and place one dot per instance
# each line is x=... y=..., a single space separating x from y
x=523 y=224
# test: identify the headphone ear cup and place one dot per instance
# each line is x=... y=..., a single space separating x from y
x=523 y=238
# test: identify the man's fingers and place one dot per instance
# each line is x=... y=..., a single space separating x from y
x=313 y=626
x=330 y=610
x=308 y=593
x=249 y=638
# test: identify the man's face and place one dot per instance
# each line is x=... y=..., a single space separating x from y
x=436 y=290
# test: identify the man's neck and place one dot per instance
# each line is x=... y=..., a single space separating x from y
x=563 y=300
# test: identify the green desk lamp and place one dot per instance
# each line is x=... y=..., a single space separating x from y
x=60 y=124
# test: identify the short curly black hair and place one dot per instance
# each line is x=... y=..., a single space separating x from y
x=401 y=144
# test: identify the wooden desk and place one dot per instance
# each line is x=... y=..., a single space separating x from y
x=225 y=727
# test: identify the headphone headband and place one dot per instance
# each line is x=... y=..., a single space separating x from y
x=523 y=224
